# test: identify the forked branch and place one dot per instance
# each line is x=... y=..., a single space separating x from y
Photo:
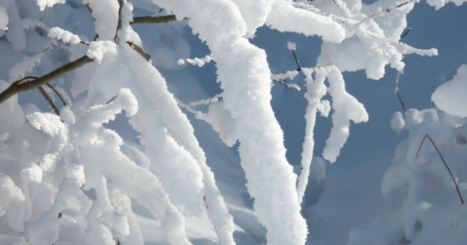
x=445 y=164
x=23 y=85
x=29 y=83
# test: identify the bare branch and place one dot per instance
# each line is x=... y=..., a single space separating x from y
x=51 y=103
x=56 y=92
x=338 y=5
x=26 y=84
x=397 y=91
x=296 y=60
x=445 y=164
x=154 y=19
x=139 y=50
x=400 y=99
x=90 y=11
x=279 y=81
x=405 y=34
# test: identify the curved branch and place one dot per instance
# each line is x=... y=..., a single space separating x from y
x=25 y=85
x=56 y=92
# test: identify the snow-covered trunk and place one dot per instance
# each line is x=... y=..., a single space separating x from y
x=245 y=78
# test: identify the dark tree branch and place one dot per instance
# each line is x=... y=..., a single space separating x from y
x=119 y=25
x=90 y=11
x=296 y=60
x=28 y=83
x=51 y=103
x=139 y=50
x=155 y=19
x=338 y=5
x=56 y=92
x=397 y=91
x=406 y=32
x=400 y=99
x=445 y=164
x=279 y=81
x=25 y=84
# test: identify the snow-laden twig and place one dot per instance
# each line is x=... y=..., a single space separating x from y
x=388 y=10
x=196 y=61
x=30 y=23
x=187 y=107
x=311 y=8
x=397 y=91
x=65 y=36
x=289 y=85
x=206 y=101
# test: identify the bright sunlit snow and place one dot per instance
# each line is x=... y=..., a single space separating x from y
x=216 y=122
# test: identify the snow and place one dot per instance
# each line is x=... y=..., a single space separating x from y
x=158 y=152
x=3 y=19
x=196 y=61
x=450 y=97
x=48 y=3
x=65 y=36
x=97 y=49
x=397 y=122
x=25 y=66
x=291 y=45
x=346 y=108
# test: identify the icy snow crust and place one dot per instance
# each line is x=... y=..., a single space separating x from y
x=69 y=178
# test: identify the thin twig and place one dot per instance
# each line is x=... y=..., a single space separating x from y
x=25 y=84
x=296 y=60
x=51 y=103
x=338 y=5
x=388 y=10
x=400 y=99
x=139 y=50
x=406 y=32
x=56 y=92
x=445 y=164
x=153 y=19
x=207 y=101
x=397 y=91
x=279 y=81
x=207 y=207
x=90 y=11
x=119 y=25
